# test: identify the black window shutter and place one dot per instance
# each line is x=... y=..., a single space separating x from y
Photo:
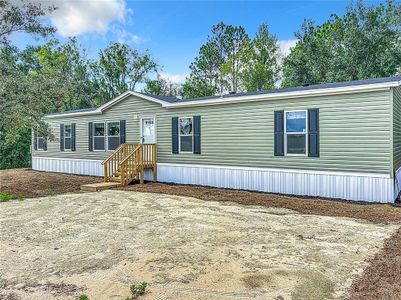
x=197 y=134
x=90 y=136
x=73 y=137
x=61 y=137
x=313 y=133
x=45 y=143
x=35 y=140
x=174 y=135
x=122 y=131
x=279 y=133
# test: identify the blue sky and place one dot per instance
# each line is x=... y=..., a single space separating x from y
x=174 y=30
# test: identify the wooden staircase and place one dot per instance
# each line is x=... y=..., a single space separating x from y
x=127 y=163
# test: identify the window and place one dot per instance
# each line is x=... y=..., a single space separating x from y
x=67 y=137
x=40 y=143
x=98 y=136
x=113 y=135
x=296 y=132
x=185 y=134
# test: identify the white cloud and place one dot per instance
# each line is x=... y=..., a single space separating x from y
x=174 y=78
x=77 y=17
x=124 y=36
x=286 y=45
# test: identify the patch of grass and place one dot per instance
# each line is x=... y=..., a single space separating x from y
x=255 y=281
x=313 y=286
x=4 y=197
x=50 y=192
x=138 y=290
x=83 y=297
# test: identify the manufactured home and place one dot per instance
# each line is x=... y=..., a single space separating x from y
x=338 y=140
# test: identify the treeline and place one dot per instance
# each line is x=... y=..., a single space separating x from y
x=55 y=76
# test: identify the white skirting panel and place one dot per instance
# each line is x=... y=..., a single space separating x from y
x=398 y=182
x=340 y=185
x=74 y=166
x=68 y=165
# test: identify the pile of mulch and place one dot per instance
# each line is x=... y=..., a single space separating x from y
x=27 y=183
x=381 y=279
x=375 y=213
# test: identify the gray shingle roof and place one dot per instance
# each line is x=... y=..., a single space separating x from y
x=274 y=91
x=162 y=98
x=283 y=90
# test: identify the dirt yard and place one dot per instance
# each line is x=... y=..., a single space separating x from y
x=185 y=248
x=103 y=266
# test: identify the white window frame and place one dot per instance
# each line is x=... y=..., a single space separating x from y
x=104 y=136
x=37 y=143
x=179 y=135
x=107 y=134
x=69 y=137
x=293 y=133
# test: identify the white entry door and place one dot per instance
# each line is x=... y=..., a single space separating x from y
x=148 y=130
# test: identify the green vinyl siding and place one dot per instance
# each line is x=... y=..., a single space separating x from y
x=397 y=127
x=354 y=132
x=124 y=110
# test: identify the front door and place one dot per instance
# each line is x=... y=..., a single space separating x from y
x=148 y=132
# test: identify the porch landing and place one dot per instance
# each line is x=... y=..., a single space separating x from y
x=93 y=187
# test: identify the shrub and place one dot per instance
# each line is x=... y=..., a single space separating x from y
x=138 y=289
x=83 y=297
x=4 y=197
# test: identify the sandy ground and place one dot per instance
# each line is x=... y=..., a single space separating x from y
x=99 y=243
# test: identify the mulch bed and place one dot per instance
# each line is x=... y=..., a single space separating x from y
x=380 y=280
x=382 y=277
x=28 y=183
x=375 y=213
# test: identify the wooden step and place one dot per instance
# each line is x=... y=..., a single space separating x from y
x=116 y=178
x=93 y=187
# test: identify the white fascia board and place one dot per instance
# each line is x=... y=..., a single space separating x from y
x=130 y=93
x=289 y=95
x=73 y=114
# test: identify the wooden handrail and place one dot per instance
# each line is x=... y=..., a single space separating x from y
x=113 y=154
x=132 y=153
x=129 y=161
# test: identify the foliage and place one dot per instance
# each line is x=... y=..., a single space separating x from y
x=260 y=61
x=5 y=197
x=162 y=87
x=364 y=43
x=121 y=68
x=217 y=67
x=204 y=79
x=67 y=70
x=232 y=62
x=23 y=17
x=83 y=297
x=14 y=148
x=50 y=192
x=138 y=289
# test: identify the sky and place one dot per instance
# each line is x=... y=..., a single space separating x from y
x=173 y=31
